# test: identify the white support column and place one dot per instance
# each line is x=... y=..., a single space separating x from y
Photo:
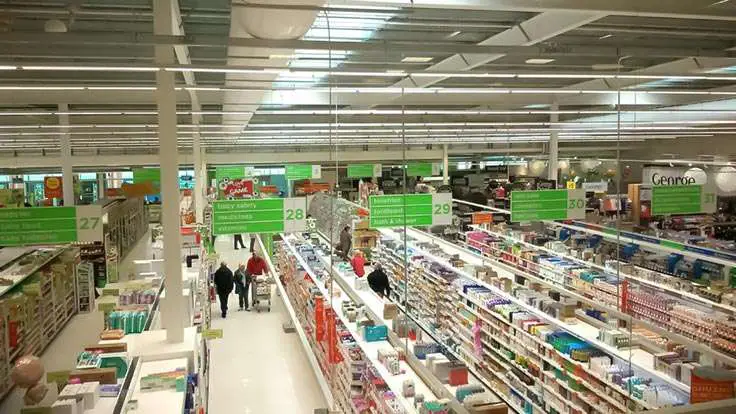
x=101 y=182
x=445 y=166
x=554 y=150
x=171 y=307
x=67 y=169
x=200 y=176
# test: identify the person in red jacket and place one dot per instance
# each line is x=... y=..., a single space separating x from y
x=256 y=267
x=358 y=263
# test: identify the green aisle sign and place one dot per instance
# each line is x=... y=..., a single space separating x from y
x=682 y=199
x=422 y=169
x=410 y=209
x=229 y=173
x=303 y=171
x=50 y=225
x=364 y=170
x=142 y=175
x=270 y=215
x=547 y=205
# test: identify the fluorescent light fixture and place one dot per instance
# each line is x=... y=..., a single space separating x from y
x=416 y=59
x=93 y=68
x=539 y=61
x=453 y=34
x=606 y=36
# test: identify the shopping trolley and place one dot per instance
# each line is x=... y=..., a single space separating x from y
x=261 y=292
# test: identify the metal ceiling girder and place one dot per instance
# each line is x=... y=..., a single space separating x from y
x=693 y=9
x=378 y=47
x=528 y=33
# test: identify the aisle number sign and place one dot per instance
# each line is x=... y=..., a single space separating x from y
x=410 y=209
x=50 y=225
x=364 y=170
x=683 y=199
x=147 y=180
x=422 y=169
x=270 y=215
x=303 y=171
x=547 y=205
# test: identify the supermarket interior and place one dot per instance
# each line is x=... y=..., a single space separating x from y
x=367 y=207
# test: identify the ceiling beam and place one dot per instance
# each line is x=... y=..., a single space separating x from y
x=693 y=9
x=378 y=47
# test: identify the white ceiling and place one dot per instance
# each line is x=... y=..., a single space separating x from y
x=454 y=72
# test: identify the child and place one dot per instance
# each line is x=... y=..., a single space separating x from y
x=358 y=263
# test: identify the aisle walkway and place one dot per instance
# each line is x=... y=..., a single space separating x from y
x=256 y=367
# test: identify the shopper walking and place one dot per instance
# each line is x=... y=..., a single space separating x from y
x=378 y=281
x=358 y=263
x=224 y=286
x=256 y=267
x=242 y=283
x=345 y=244
x=238 y=240
x=252 y=242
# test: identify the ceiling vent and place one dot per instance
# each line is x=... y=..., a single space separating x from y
x=279 y=23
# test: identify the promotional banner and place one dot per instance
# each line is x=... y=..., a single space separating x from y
x=52 y=187
x=423 y=169
x=233 y=183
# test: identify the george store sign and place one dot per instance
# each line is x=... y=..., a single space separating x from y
x=271 y=215
x=410 y=210
x=364 y=170
x=547 y=205
x=683 y=199
x=50 y=225
x=422 y=169
x=303 y=171
x=659 y=179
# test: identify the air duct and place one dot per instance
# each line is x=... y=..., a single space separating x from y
x=279 y=23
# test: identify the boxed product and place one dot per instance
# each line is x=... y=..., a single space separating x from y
x=101 y=375
x=375 y=333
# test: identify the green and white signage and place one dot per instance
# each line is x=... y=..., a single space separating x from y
x=50 y=225
x=364 y=170
x=410 y=209
x=547 y=205
x=423 y=169
x=303 y=171
x=270 y=215
x=230 y=173
x=683 y=199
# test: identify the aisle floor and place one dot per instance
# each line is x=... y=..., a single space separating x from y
x=256 y=367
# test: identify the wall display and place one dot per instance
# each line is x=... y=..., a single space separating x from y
x=547 y=205
x=303 y=171
x=683 y=199
x=50 y=225
x=259 y=215
x=364 y=170
x=422 y=169
x=410 y=210
x=53 y=187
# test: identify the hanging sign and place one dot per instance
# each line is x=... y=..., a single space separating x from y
x=212 y=333
x=547 y=205
x=50 y=225
x=410 y=210
x=149 y=180
x=423 y=169
x=364 y=170
x=303 y=171
x=570 y=185
x=271 y=215
x=52 y=187
x=237 y=188
x=596 y=186
x=683 y=199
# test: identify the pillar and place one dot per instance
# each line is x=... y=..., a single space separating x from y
x=200 y=176
x=67 y=167
x=171 y=307
x=554 y=150
x=101 y=183
x=445 y=166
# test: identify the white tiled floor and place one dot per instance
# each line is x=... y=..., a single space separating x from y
x=256 y=367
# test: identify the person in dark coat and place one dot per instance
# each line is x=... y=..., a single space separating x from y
x=378 y=281
x=345 y=244
x=224 y=285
